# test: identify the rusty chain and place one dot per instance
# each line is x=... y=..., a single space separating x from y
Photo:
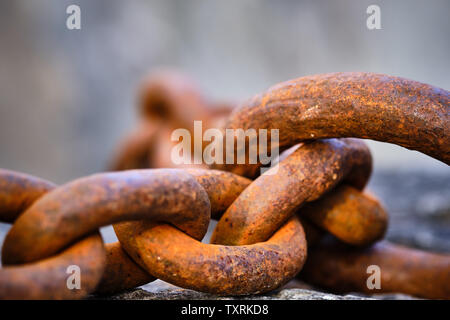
x=271 y=227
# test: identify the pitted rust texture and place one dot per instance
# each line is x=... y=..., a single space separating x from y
x=351 y=104
x=171 y=255
x=351 y=216
x=78 y=208
x=182 y=260
x=342 y=268
x=18 y=191
x=47 y=278
x=222 y=188
x=123 y=273
x=303 y=176
x=51 y=234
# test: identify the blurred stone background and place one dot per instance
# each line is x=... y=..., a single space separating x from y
x=68 y=96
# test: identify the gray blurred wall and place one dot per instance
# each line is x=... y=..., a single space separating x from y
x=67 y=97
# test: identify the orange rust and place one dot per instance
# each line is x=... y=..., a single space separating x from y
x=341 y=268
x=222 y=188
x=123 y=273
x=47 y=278
x=350 y=104
x=411 y=114
x=183 y=253
x=71 y=211
x=171 y=255
x=303 y=176
x=18 y=191
x=349 y=215
x=180 y=260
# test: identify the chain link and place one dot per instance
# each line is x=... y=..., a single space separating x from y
x=267 y=223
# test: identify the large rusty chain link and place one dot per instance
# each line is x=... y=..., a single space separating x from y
x=271 y=227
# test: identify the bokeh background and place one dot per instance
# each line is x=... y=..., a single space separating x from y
x=68 y=96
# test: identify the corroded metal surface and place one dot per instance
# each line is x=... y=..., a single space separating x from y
x=222 y=188
x=78 y=208
x=18 y=191
x=303 y=176
x=47 y=278
x=171 y=255
x=342 y=268
x=123 y=273
x=351 y=216
x=260 y=241
x=350 y=104
x=174 y=257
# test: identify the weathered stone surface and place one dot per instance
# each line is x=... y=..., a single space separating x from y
x=180 y=294
x=294 y=290
x=160 y=290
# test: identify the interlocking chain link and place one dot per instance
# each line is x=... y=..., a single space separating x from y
x=46 y=278
x=271 y=228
